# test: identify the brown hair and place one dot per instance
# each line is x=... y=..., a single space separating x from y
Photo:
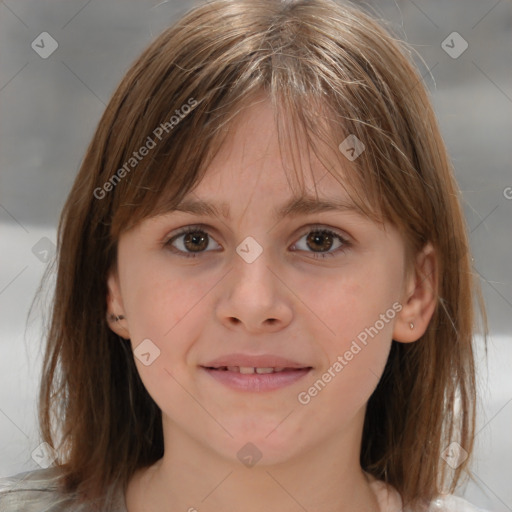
x=330 y=70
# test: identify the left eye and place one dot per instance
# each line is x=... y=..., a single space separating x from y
x=322 y=238
x=194 y=240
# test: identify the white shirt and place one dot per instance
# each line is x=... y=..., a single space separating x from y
x=37 y=491
x=390 y=500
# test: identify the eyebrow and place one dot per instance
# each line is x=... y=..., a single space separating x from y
x=295 y=207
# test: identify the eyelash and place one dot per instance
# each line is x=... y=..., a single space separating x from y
x=312 y=229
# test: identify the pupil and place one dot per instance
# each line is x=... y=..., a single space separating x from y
x=320 y=236
x=195 y=238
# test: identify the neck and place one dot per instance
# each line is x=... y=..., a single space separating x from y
x=192 y=477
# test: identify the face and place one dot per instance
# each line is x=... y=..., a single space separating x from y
x=322 y=290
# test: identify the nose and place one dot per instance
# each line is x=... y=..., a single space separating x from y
x=255 y=295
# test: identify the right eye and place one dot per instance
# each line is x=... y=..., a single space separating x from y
x=190 y=241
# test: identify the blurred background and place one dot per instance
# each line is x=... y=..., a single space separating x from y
x=60 y=63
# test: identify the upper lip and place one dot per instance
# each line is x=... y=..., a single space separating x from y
x=257 y=361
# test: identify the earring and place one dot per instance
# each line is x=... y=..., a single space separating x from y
x=411 y=325
x=116 y=318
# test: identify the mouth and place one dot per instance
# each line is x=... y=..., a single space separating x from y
x=248 y=370
x=256 y=379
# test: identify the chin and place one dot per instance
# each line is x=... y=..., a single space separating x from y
x=260 y=445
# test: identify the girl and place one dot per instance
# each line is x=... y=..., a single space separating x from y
x=227 y=334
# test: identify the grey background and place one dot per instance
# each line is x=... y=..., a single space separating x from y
x=50 y=108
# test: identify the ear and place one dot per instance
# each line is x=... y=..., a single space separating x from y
x=419 y=298
x=116 y=317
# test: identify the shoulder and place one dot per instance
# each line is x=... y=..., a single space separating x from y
x=451 y=503
x=33 y=491
x=39 y=490
x=390 y=500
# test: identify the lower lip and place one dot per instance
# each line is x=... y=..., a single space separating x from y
x=257 y=381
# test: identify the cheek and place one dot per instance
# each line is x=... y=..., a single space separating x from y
x=158 y=300
x=169 y=308
x=163 y=307
x=356 y=301
x=354 y=361
x=358 y=312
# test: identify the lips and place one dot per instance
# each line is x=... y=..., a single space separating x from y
x=255 y=382
x=247 y=373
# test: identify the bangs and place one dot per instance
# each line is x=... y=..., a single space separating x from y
x=304 y=124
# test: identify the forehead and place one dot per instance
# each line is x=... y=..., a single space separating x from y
x=259 y=159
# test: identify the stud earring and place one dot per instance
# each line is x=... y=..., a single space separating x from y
x=116 y=318
x=411 y=325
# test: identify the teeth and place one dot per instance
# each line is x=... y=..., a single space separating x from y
x=247 y=370
x=264 y=370
x=244 y=369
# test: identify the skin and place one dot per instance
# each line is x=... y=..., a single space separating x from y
x=196 y=309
